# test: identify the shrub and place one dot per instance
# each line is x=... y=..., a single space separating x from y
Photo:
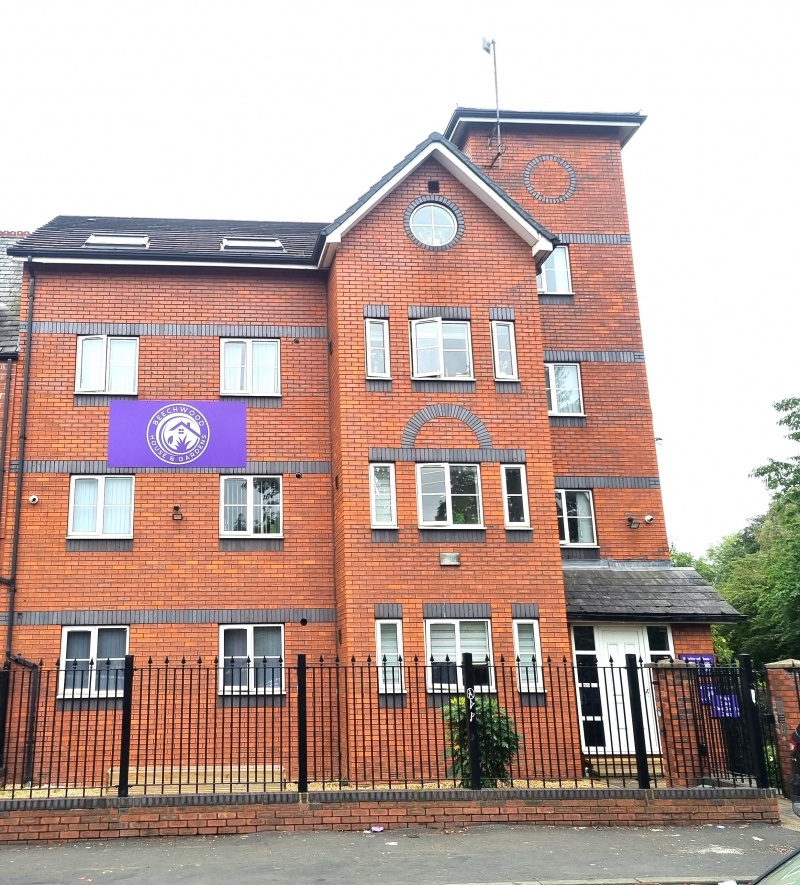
x=498 y=740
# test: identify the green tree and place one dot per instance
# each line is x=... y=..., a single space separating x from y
x=758 y=569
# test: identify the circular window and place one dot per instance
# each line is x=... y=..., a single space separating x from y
x=434 y=223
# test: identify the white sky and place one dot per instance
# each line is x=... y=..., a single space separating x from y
x=290 y=111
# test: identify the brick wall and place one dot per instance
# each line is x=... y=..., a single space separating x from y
x=58 y=820
x=783 y=680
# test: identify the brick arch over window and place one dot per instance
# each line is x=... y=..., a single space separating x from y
x=443 y=410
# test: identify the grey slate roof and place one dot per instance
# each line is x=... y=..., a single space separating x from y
x=649 y=594
x=172 y=239
x=10 y=283
x=435 y=137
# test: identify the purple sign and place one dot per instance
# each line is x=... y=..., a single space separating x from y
x=701 y=660
x=177 y=433
x=724 y=706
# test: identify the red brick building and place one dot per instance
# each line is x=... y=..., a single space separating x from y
x=258 y=439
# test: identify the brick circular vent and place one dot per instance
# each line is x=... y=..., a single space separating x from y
x=555 y=179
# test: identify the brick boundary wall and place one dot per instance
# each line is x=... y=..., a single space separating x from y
x=53 y=820
x=783 y=679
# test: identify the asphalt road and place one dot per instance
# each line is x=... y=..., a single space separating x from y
x=500 y=855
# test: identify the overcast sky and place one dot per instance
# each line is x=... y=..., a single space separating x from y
x=290 y=111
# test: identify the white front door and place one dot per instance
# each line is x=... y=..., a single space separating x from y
x=612 y=696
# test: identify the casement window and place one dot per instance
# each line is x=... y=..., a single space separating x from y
x=250 y=367
x=251 y=659
x=554 y=276
x=389 y=658
x=445 y=643
x=504 y=350
x=107 y=365
x=515 y=496
x=563 y=384
x=441 y=349
x=659 y=644
x=101 y=507
x=251 y=506
x=382 y=496
x=449 y=496
x=92 y=661
x=575 y=518
x=528 y=656
x=376 y=333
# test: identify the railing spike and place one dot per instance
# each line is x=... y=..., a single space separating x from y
x=183 y=662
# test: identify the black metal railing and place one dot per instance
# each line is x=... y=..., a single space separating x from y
x=244 y=726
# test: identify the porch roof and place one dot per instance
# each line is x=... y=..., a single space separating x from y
x=678 y=595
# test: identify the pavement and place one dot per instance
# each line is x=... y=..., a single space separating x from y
x=483 y=855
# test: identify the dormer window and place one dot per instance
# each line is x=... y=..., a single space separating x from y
x=118 y=241
x=251 y=244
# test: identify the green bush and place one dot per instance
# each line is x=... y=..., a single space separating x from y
x=498 y=740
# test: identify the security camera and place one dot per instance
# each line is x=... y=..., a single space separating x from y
x=34 y=499
x=649 y=518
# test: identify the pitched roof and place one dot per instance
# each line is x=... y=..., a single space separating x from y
x=171 y=240
x=462 y=168
x=623 y=125
x=10 y=283
x=644 y=594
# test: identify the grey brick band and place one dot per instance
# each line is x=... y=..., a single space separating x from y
x=596 y=239
x=183 y=330
x=567 y=421
x=456 y=610
x=442 y=385
x=101 y=467
x=175 y=616
x=455 y=456
x=452 y=536
x=416 y=312
x=524 y=609
x=388 y=610
x=445 y=410
x=593 y=356
x=502 y=313
x=376 y=385
x=376 y=311
x=556 y=299
x=607 y=482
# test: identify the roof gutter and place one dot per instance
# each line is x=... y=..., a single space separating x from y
x=11 y=580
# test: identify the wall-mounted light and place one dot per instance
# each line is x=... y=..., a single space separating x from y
x=632 y=522
x=176 y=511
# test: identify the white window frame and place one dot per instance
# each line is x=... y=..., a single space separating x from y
x=449 y=524
x=439 y=372
x=550 y=385
x=99 y=507
x=566 y=542
x=526 y=523
x=396 y=686
x=530 y=679
x=248 y=532
x=513 y=375
x=91 y=690
x=384 y=324
x=252 y=668
x=374 y=522
x=541 y=277
x=248 y=367
x=458 y=685
x=107 y=344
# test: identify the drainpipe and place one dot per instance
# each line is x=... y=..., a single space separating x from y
x=11 y=580
x=4 y=432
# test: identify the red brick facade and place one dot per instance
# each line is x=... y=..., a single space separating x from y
x=333 y=572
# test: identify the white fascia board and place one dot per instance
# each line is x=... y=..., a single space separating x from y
x=133 y=262
x=459 y=171
x=539 y=121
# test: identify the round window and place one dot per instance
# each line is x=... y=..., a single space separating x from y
x=433 y=225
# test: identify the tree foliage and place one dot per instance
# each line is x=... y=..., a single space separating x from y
x=758 y=569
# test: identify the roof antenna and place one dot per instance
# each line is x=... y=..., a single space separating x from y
x=490 y=47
